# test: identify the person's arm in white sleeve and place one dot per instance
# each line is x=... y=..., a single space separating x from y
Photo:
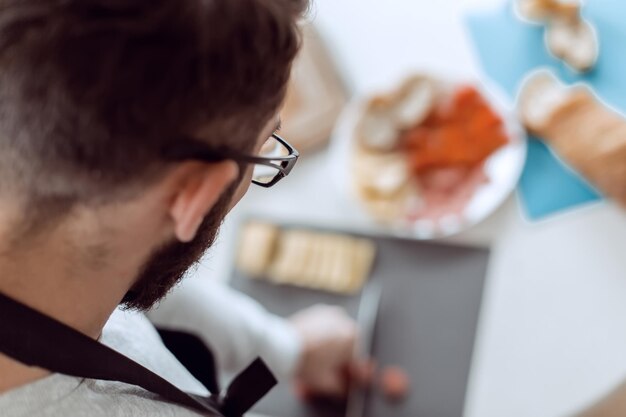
x=234 y=326
x=314 y=346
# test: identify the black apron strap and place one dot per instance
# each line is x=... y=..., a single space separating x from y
x=193 y=354
x=35 y=339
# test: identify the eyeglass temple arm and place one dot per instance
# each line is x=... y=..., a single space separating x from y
x=193 y=150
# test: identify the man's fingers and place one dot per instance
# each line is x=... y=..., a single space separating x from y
x=363 y=373
x=327 y=385
x=302 y=391
x=336 y=384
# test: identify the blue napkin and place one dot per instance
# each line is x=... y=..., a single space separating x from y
x=509 y=48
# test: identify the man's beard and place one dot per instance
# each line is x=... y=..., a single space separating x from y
x=168 y=265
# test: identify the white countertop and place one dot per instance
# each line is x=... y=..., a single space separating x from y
x=552 y=332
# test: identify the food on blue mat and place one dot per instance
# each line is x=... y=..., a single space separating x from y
x=569 y=36
x=545 y=10
x=574 y=42
x=585 y=132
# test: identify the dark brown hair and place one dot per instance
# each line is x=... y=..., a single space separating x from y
x=92 y=90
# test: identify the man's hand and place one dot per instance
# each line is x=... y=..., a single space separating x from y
x=328 y=335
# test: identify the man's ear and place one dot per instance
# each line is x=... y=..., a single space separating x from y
x=200 y=187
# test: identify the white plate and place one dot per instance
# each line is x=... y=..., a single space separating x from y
x=503 y=169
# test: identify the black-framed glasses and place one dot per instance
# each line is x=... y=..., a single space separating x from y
x=275 y=161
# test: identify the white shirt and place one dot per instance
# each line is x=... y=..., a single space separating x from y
x=236 y=328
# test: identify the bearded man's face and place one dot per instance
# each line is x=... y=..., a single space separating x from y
x=168 y=264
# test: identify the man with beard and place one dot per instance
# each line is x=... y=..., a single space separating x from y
x=128 y=129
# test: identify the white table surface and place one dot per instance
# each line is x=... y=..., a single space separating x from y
x=552 y=332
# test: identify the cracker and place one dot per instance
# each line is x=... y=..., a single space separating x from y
x=324 y=261
x=256 y=247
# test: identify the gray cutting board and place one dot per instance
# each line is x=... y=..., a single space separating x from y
x=427 y=322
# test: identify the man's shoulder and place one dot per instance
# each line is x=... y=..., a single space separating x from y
x=115 y=399
x=63 y=396
x=59 y=395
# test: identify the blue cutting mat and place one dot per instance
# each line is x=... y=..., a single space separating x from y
x=509 y=48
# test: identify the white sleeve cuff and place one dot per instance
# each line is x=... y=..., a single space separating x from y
x=281 y=348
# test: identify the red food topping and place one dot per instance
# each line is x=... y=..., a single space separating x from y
x=448 y=150
x=464 y=133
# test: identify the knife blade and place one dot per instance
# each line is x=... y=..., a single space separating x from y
x=366 y=323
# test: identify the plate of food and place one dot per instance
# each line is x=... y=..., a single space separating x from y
x=431 y=157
